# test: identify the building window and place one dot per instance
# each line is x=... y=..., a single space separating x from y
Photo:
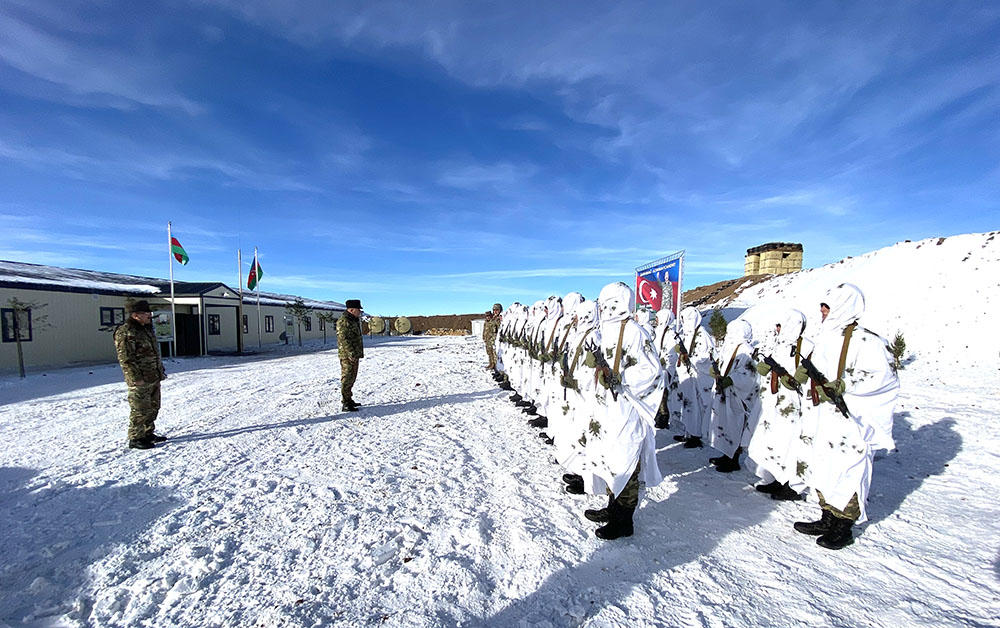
x=322 y=325
x=24 y=320
x=112 y=316
x=269 y=324
x=307 y=323
x=214 y=325
x=246 y=324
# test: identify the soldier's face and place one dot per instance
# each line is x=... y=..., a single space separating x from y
x=143 y=317
x=356 y=311
x=824 y=310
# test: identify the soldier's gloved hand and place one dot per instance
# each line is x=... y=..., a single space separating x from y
x=604 y=377
x=590 y=360
x=762 y=368
x=724 y=382
x=801 y=375
x=788 y=382
x=830 y=390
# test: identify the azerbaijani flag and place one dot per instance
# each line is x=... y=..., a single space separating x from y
x=256 y=272
x=178 y=251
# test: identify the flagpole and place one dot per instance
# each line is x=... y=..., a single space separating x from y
x=260 y=342
x=173 y=312
x=239 y=311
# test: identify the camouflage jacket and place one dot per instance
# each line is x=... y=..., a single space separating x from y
x=138 y=354
x=349 y=343
x=490 y=329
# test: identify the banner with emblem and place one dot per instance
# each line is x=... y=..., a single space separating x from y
x=658 y=283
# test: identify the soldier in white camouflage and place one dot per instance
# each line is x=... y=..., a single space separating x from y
x=135 y=344
x=351 y=349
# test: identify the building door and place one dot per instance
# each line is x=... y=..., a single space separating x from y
x=187 y=334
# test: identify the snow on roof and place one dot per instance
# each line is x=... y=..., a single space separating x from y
x=79 y=280
x=74 y=278
x=271 y=298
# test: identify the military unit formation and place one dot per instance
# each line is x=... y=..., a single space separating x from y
x=809 y=408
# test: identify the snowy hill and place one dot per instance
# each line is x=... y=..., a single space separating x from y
x=437 y=505
x=941 y=293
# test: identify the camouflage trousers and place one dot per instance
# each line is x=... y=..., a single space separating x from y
x=144 y=405
x=852 y=511
x=492 y=354
x=629 y=497
x=348 y=375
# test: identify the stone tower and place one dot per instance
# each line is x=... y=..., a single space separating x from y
x=773 y=258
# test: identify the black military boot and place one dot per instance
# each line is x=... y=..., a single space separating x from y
x=515 y=397
x=619 y=523
x=522 y=403
x=156 y=438
x=661 y=421
x=348 y=407
x=569 y=478
x=785 y=493
x=839 y=535
x=692 y=441
x=141 y=443
x=730 y=463
x=600 y=515
x=815 y=528
x=505 y=385
x=575 y=488
x=540 y=422
x=531 y=410
x=717 y=459
x=680 y=438
x=769 y=488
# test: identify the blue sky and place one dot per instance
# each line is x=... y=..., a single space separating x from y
x=437 y=157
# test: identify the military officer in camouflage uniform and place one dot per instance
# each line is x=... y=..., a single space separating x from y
x=135 y=344
x=490 y=328
x=351 y=350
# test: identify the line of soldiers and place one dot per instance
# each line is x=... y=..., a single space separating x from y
x=804 y=411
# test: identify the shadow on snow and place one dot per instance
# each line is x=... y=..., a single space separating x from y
x=53 y=532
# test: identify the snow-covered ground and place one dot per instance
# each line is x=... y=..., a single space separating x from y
x=437 y=505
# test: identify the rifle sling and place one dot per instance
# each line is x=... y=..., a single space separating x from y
x=848 y=332
x=729 y=367
x=579 y=350
x=552 y=336
x=618 y=349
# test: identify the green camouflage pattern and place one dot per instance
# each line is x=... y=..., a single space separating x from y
x=348 y=375
x=142 y=367
x=490 y=329
x=349 y=343
x=138 y=353
x=144 y=405
x=629 y=497
x=852 y=511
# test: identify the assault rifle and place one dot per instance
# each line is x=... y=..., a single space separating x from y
x=778 y=371
x=684 y=357
x=822 y=381
x=718 y=378
x=602 y=365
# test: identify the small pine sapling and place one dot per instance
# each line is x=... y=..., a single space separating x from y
x=897 y=349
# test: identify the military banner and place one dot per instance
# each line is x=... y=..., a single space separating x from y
x=658 y=283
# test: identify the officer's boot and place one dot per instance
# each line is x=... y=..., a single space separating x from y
x=839 y=534
x=600 y=515
x=619 y=523
x=348 y=406
x=815 y=528
x=570 y=478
